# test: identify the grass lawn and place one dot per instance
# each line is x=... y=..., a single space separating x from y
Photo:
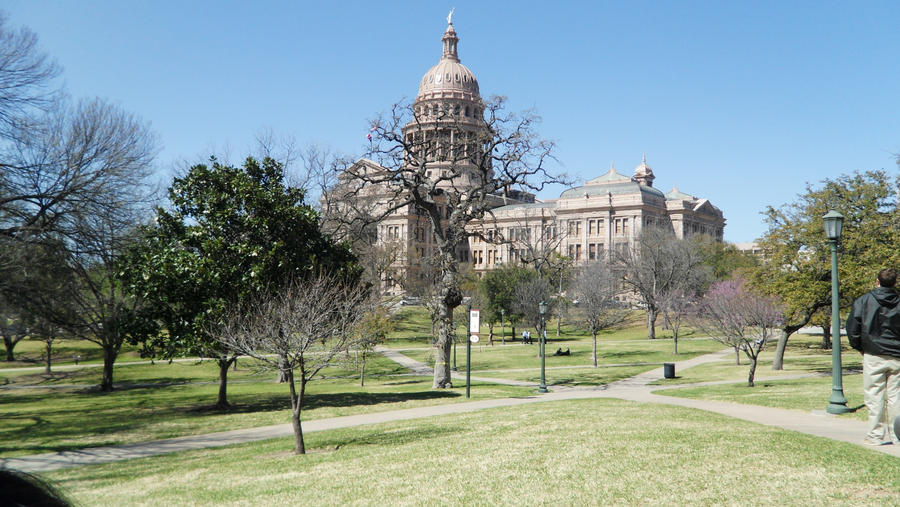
x=577 y=376
x=804 y=394
x=412 y=328
x=30 y=353
x=563 y=453
x=39 y=419
x=793 y=365
x=517 y=356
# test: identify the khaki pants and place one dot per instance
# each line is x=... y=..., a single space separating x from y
x=881 y=383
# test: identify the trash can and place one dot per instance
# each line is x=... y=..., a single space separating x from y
x=669 y=370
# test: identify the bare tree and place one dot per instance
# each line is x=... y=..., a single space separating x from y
x=676 y=306
x=76 y=162
x=26 y=78
x=657 y=263
x=527 y=300
x=736 y=317
x=595 y=291
x=80 y=188
x=299 y=330
x=450 y=168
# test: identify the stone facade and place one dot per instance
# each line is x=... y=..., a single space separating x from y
x=584 y=222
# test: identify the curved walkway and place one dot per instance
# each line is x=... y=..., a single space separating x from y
x=633 y=389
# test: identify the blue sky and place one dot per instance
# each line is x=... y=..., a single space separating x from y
x=742 y=103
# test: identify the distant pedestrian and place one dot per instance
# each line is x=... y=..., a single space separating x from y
x=524 y=337
x=873 y=328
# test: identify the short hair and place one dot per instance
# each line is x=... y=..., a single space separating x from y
x=887 y=277
x=21 y=488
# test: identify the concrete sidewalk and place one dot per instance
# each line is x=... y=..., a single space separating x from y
x=632 y=389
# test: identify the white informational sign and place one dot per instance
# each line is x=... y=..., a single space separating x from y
x=473 y=338
x=474 y=321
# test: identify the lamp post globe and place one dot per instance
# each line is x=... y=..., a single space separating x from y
x=837 y=403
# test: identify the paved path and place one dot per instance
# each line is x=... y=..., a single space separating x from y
x=633 y=389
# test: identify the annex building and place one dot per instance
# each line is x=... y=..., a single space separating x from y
x=584 y=223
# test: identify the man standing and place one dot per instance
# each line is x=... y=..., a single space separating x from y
x=873 y=328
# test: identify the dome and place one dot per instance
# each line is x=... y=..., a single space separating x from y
x=643 y=174
x=448 y=78
x=643 y=169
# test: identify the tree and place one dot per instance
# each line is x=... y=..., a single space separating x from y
x=302 y=328
x=658 y=263
x=373 y=329
x=450 y=167
x=736 y=317
x=595 y=290
x=26 y=77
x=676 y=305
x=76 y=189
x=528 y=295
x=231 y=234
x=497 y=289
x=797 y=258
x=724 y=259
x=77 y=162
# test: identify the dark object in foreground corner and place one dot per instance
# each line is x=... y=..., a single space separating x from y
x=20 y=488
x=669 y=370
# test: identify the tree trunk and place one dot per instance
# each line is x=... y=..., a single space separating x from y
x=47 y=364
x=296 y=406
x=651 y=323
x=362 y=368
x=675 y=339
x=778 y=360
x=786 y=332
x=513 y=330
x=752 y=371
x=10 y=343
x=737 y=356
x=109 y=358
x=826 y=335
x=224 y=363
x=282 y=377
x=558 y=323
x=594 y=351
x=442 y=348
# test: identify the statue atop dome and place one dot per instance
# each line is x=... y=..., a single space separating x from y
x=450 y=16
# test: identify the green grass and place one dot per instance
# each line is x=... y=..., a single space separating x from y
x=42 y=420
x=572 y=376
x=582 y=452
x=517 y=356
x=793 y=365
x=30 y=353
x=804 y=394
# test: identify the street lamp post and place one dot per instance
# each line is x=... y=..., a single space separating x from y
x=542 y=388
x=837 y=404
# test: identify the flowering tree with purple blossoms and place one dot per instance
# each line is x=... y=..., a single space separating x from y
x=733 y=315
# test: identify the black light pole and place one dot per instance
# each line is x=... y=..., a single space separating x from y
x=837 y=404
x=542 y=388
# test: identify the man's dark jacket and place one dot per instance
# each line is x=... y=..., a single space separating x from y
x=873 y=326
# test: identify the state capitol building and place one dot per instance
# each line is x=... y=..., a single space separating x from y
x=584 y=223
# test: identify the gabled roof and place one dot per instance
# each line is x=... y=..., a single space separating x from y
x=676 y=194
x=611 y=176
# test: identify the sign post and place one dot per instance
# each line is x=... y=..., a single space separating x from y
x=474 y=329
